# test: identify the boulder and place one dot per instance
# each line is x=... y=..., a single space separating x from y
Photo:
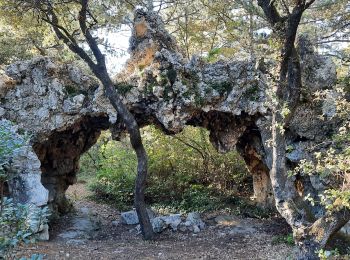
x=173 y=221
x=131 y=218
x=158 y=224
x=346 y=230
x=193 y=219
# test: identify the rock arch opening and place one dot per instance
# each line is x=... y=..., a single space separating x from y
x=59 y=156
x=178 y=165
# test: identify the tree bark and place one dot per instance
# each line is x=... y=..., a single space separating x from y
x=136 y=142
x=307 y=250
x=287 y=91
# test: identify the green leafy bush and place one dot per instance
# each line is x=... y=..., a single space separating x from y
x=185 y=171
x=333 y=164
x=114 y=166
x=18 y=224
x=10 y=141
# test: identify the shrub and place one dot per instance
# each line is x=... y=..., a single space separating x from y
x=283 y=239
x=185 y=171
x=10 y=141
x=115 y=166
x=18 y=224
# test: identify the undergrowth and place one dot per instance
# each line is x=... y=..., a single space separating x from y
x=185 y=174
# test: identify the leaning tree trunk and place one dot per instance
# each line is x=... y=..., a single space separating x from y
x=307 y=250
x=99 y=69
x=315 y=237
x=136 y=142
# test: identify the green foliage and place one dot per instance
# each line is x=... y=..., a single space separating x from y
x=196 y=197
x=212 y=29
x=22 y=37
x=328 y=254
x=10 y=141
x=213 y=53
x=18 y=224
x=71 y=90
x=123 y=88
x=252 y=93
x=185 y=171
x=187 y=163
x=283 y=239
x=115 y=164
x=333 y=164
x=28 y=35
x=10 y=50
x=222 y=88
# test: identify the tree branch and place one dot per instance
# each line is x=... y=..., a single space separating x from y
x=100 y=58
x=270 y=11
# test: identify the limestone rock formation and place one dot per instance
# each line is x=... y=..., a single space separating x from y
x=65 y=110
x=175 y=222
x=22 y=168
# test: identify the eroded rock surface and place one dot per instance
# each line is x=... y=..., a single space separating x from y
x=22 y=168
x=175 y=222
x=64 y=109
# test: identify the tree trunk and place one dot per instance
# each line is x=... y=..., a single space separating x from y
x=136 y=142
x=307 y=250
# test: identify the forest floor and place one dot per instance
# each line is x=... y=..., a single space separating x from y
x=93 y=231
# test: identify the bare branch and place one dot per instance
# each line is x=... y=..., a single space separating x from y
x=100 y=58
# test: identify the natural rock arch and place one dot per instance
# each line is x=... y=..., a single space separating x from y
x=65 y=110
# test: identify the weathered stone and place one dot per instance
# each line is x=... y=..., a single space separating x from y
x=131 y=218
x=72 y=234
x=76 y=242
x=173 y=221
x=158 y=224
x=195 y=220
x=115 y=223
x=224 y=220
x=346 y=229
x=43 y=235
x=82 y=227
x=182 y=227
x=196 y=229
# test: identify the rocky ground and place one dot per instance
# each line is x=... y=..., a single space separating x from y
x=94 y=231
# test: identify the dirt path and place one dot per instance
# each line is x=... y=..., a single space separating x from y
x=94 y=232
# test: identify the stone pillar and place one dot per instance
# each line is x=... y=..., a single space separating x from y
x=263 y=194
x=250 y=148
x=24 y=182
